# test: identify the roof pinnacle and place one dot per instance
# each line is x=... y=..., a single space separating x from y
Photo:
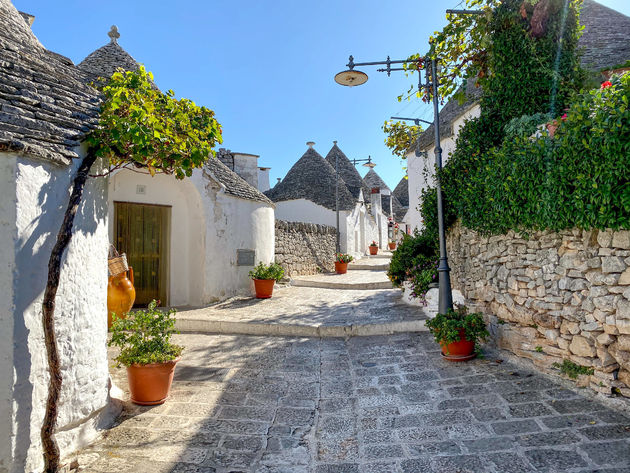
x=114 y=34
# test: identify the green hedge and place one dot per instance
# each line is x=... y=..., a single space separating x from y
x=581 y=178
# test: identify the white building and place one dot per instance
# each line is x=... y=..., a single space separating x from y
x=45 y=108
x=307 y=194
x=189 y=241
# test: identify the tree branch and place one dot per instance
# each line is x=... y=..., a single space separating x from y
x=49 y=444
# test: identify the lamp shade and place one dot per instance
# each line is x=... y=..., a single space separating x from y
x=351 y=78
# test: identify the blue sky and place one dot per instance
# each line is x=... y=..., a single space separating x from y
x=267 y=67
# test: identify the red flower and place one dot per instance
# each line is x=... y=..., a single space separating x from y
x=606 y=84
x=563 y=117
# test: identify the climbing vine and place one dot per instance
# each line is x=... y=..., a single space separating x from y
x=139 y=127
x=400 y=137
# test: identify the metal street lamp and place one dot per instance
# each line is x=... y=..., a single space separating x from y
x=352 y=78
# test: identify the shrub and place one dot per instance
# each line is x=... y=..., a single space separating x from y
x=144 y=337
x=445 y=328
x=421 y=276
x=412 y=252
x=581 y=178
x=267 y=271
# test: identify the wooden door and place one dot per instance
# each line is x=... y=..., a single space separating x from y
x=142 y=232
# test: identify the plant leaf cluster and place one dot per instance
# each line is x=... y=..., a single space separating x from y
x=413 y=251
x=343 y=258
x=400 y=137
x=267 y=271
x=144 y=337
x=573 y=370
x=142 y=127
x=446 y=328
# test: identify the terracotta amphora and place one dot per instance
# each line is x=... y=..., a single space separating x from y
x=120 y=295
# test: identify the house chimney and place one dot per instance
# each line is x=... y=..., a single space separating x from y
x=279 y=179
x=375 y=199
x=263 y=179
x=310 y=144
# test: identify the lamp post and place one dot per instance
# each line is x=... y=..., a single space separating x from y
x=369 y=164
x=351 y=78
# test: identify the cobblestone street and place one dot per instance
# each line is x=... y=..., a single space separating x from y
x=364 y=404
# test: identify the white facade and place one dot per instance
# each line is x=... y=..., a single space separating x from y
x=357 y=228
x=208 y=226
x=421 y=170
x=33 y=198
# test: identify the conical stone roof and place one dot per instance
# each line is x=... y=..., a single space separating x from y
x=348 y=172
x=402 y=192
x=374 y=180
x=103 y=62
x=45 y=106
x=312 y=178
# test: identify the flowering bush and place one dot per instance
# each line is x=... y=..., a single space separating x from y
x=421 y=275
x=343 y=258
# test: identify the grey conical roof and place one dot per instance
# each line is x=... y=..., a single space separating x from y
x=312 y=178
x=402 y=192
x=348 y=172
x=46 y=108
x=374 y=180
x=605 y=40
x=107 y=59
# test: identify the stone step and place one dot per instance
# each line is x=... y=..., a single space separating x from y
x=360 y=286
x=369 y=267
x=229 y=327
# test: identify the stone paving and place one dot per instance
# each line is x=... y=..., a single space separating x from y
x=353 y=279
x=364 y=404
x=305 y=311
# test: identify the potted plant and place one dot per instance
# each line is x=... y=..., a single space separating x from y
x=373 y=248
x=144 y=339
x=458 y=333
x=265 y=276
x=392 y=244
x=341 y=262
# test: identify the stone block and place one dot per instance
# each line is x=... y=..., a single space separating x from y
x=582 y=347
x=623 y=326
x=613 y=264
x=623 y=310
x=624 y=279
x=605 y=339
x=623 y=342
x=621 y=239
x=624 y=377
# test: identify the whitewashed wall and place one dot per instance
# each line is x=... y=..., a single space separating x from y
x=232 y=224
x=418 y=166
x=357 y=228
x=33 y=203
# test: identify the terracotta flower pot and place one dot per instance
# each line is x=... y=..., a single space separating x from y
x=341 y=268
x=264 y=288
x=150 y=384
x=392 y=245
x=373 y=250
x=120 y=295
x=463 y=350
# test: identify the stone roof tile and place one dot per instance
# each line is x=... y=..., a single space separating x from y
x=312 y=178
x=348 y=172
x=402 y=192
x=234 y=184
x=46 y=107
x=372 y=179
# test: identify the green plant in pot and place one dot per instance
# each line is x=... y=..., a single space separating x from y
x=341 y=262
x=459 y=333
x=144 y=339
x=373 y=247
x=265 y=276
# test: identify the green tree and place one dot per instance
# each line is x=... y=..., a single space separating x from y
x=142 y=128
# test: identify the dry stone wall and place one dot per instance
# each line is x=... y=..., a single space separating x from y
x=553 y=296
x=305 y=248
